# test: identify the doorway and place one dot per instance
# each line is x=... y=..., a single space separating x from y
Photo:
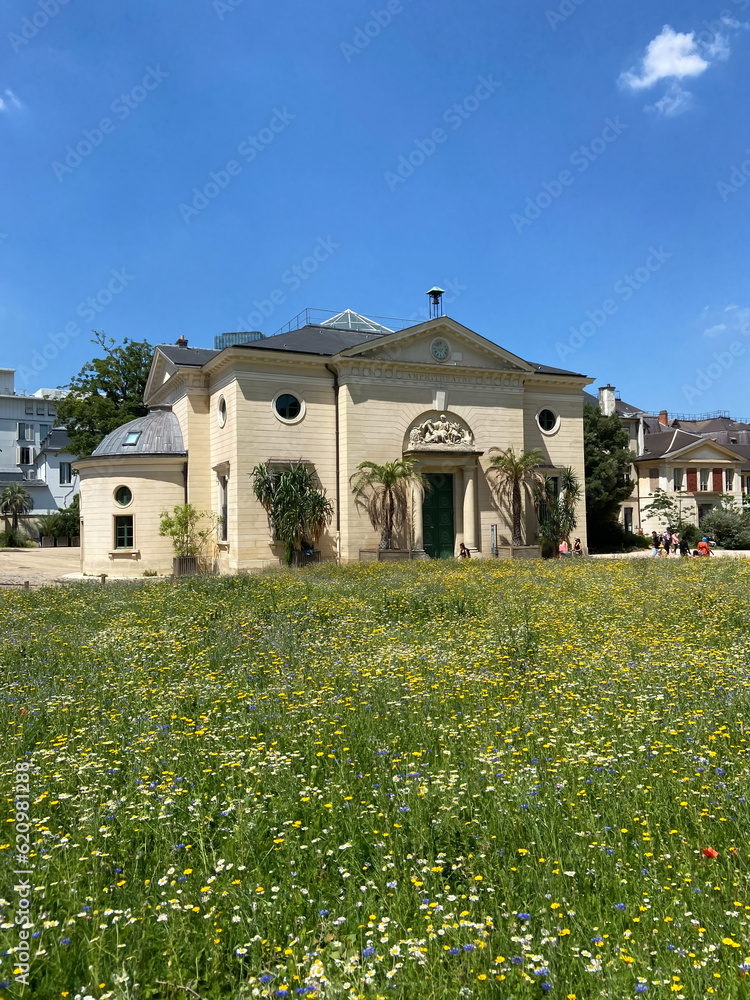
x=437 y=515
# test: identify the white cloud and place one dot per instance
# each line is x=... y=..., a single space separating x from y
x=730 y=321
x=9 y=100
x=675 y=101
x=675 y=55
x=670 y=54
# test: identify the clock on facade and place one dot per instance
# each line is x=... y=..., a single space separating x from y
x=440 y=349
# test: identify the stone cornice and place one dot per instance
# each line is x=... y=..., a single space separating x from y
x=367 y=371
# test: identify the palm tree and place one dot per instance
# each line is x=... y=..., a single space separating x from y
x=384 y=491
x=15 y=500
x=512 y=474
x=557 y=509
x=297 y=509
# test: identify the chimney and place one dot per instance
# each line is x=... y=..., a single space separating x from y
x=181 y=342
x=664 y=418
x=607 y=400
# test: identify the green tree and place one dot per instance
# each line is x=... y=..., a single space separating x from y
x=69 y=519
x=556 y=509
x=14 y=501
x=182 y=527
x=297 y=510
x=607 y=461
x=511 y=474
x=384 y=492
x=107 y=392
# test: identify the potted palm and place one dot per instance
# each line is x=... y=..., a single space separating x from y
x=384 y=492
x=556 y=510
x=297 y=510
x=510 y=476
x=187 y=540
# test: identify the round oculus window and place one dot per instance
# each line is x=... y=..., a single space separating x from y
x=287 y=406
x=440 y=349
x=221 y=413
x=547 y=420
x=123 y=496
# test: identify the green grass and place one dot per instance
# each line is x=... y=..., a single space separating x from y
x=423 y=781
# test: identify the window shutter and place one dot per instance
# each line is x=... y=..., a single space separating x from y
x=718 y=486
x=653 y=477
x=692 y=480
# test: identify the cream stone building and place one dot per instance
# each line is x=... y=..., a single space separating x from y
x=330 y=395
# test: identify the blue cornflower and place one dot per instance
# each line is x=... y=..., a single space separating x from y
x=266 y=978
x=517 y=960
x=641 y=988
x=323 y=913
x=468 y=947
x=524 y=916
x=546 y=986
x=720 y=771
x=65 y=941
x=454 y=951
x=369 y=950
x=391 y=885
x=619 y=906
x=541 y=972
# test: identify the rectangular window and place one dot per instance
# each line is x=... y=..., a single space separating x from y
x=124 y=532
x=43 y=432
x=40 y=409
x=65 y=478
x=692 y=480
x=131 y=438
x=653 y=480
x=717 y=481
x=679 y=480
x=628 y=518
x=223 y=527
x=30 y=406
x=50 y=410
x=728 y=480
x=24 y=457
x=704 y=480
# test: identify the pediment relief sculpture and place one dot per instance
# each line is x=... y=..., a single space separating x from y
x=441 y=432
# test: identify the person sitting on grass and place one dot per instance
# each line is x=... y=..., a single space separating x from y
x=704 y=549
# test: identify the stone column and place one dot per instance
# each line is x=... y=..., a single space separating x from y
x=470 y=518
x=417 y=522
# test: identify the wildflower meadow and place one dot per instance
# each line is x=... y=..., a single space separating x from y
x=499 y=780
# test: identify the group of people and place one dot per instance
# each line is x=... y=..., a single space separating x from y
x=563 y=550
x=669 y=542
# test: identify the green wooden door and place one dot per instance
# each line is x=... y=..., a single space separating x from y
x=439 y=534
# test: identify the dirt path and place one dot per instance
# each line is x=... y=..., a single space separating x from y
x=40 y=567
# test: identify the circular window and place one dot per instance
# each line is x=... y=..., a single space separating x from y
x=288 y=407
x=547 y=420
x=221 y=413
x=123 y=496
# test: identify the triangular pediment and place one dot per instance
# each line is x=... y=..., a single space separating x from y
x=704 y=450
x=440 y=342
x=162 y=369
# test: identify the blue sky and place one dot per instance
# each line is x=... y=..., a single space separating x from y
x=572 y=172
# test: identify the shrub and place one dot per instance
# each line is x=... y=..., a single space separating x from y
x=728 y=528
x=13 y=540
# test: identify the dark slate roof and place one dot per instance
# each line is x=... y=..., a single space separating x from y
x=194 y=357
x=321 y=340
x=160 y=434
x=660 y=445
x=546 y=370
x=56 y=440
